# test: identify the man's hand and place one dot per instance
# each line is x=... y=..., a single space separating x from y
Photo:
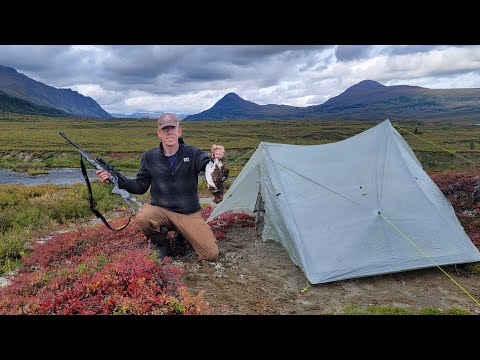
x=103 y=175
x=218 y=151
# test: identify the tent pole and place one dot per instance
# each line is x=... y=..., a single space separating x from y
x=258 y=209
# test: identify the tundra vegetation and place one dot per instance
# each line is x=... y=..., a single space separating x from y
x=86 y=270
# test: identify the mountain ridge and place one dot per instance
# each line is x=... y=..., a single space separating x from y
x=10 y=104
x=37 y=94
x=366 y=100
x=145 y=115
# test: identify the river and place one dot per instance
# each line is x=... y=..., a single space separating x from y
x=59 y=176
x=56 y=176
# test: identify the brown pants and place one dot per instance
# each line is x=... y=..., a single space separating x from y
x=194 y=229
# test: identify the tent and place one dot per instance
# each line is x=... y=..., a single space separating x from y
x=358 y=207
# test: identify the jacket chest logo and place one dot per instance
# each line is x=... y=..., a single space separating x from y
x=186 y=159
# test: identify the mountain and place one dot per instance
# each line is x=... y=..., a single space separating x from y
x=233 y=107
x=10 y=104
x=371 y=100
x=145 y=115
x=367 y=100
x=36 y=94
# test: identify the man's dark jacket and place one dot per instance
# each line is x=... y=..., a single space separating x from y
x=175 y=190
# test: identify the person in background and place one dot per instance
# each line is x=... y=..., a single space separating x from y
x=171 y=171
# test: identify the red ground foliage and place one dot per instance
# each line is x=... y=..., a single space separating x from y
x=222 y=222
x=461 y=190
x=97 y=271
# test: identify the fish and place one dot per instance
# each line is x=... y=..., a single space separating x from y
x=216 y=172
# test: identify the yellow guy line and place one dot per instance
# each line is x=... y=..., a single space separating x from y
x=449 y=151
x=306 y=288
x=234 y=161
x=406 y=237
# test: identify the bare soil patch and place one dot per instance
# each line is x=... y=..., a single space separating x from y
x=254 y=277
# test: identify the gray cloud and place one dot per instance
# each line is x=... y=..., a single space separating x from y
x=352 y=52
x=411 y=49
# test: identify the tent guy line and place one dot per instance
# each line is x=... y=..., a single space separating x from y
x=431 y=143
x=428 y=257
x=316 y=183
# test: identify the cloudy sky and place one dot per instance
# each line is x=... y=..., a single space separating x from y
x=191 y=78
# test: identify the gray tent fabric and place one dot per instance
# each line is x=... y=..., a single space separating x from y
x=358 y=207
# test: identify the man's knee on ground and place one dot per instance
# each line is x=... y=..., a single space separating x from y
x=212 y=254
x=144 y=223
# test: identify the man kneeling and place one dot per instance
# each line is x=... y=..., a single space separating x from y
x=171 y=169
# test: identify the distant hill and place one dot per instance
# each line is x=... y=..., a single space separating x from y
x=36 y=94
x=145 y=115
x=233 y=107
x=10 y=104
x=367 y=100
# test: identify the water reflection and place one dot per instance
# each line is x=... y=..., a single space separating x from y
x=60 y=176
x=56 y=176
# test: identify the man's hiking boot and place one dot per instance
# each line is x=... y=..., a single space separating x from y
x=179 y=245
x=160 y=244
x=180 y=240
